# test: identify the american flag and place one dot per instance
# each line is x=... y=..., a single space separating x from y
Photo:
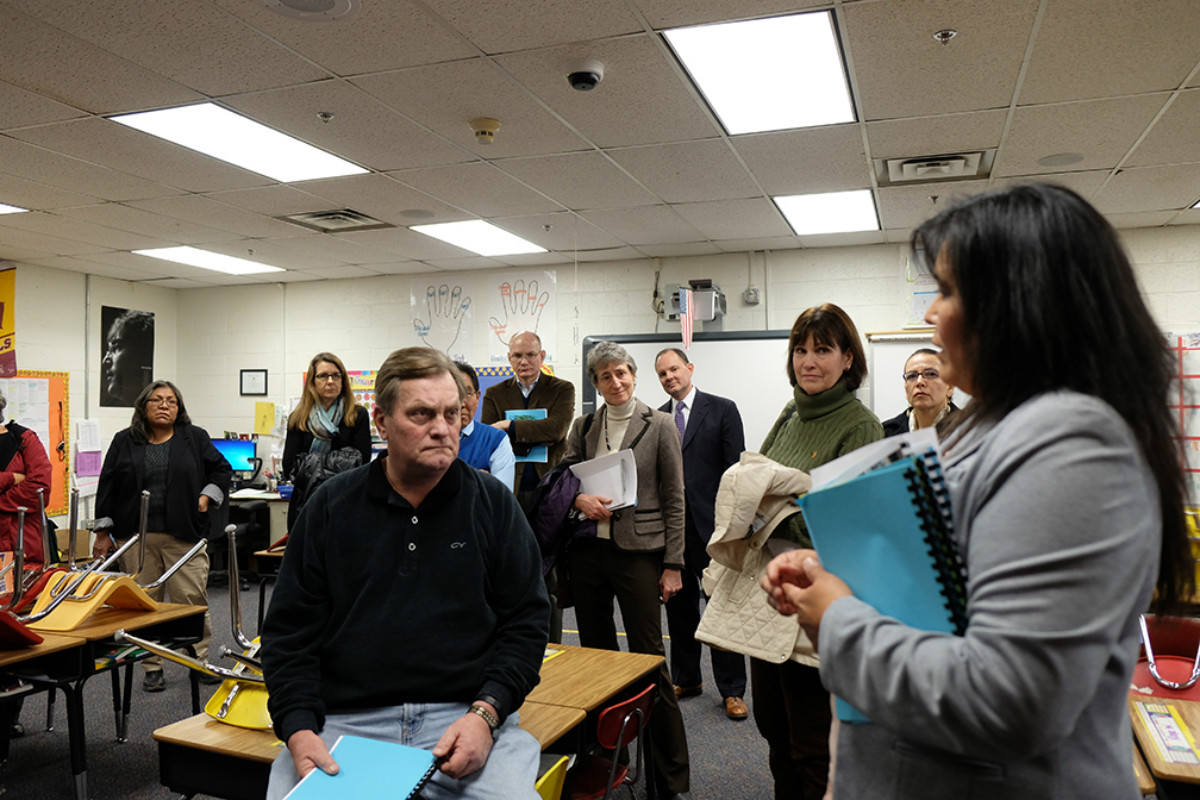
x=687 y=316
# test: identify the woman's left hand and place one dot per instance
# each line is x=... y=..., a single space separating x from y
x=796 y=583
x=203 y=503
x=669 y=584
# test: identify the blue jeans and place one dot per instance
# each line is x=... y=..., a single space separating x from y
x=509 y=773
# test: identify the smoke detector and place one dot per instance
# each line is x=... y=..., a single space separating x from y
x=314 y=10
x=485 y=129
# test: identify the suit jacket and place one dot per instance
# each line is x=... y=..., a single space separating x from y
x=194 y=465
x=657 y=521
x=555 y=395
x=712 y=442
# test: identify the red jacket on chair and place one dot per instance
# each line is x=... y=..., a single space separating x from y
x=31 y=461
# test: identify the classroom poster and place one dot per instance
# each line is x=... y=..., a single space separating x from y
x=524 y=301
x=127 y=355
x=8 y=323
x=442 y=316
x=1186 y=350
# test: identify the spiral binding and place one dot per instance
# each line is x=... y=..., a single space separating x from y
x=931 y=500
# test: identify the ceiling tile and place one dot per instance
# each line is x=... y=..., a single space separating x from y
x=406 y=244
x=680 y=250
x=382 y=197
x=274 y=201
x=648 y=225
x=19 y=192
x=473 y=262
x=73 y=174
x=769 y=243
x=730 y=219
x=446 y=97
x=362 y=130
x=906 y=207
x=116 y=146
x=808 y=161
x=902 y=72
x=23 y=108
x=19 y=244
x=93 y=268
x=579 y=180
x=931 y=136
x=617 y=254
x=342 y=272
x=78 y=230
x=136 y=220
x=479 y=189
x=678 y=13
x=1106 y=56
x=567 y=232
x=501 y=26
x=40 y=58
x=1141 y=219
x=688 y=171
x=644 y=97
x=1102 y=131
x=1150 y=189
x=205 y=210
x=1173 y=138
x=195 y=44
x=381 y=36
x=1085 y=184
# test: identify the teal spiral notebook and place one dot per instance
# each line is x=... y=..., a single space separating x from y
x=889 y=534
x=368 y=768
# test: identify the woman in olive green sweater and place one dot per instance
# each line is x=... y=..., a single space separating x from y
x=823 y=421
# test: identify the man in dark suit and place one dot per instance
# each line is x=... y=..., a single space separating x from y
x=713 y=440
x=531 y=388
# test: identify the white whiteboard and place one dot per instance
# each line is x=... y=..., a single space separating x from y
x=748 y=367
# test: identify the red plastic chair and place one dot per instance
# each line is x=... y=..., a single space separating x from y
x=596 y=776
x=1170 y=661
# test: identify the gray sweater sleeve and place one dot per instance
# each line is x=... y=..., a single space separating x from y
x=1060 y=524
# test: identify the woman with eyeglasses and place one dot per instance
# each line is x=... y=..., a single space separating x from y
x=163 y=453
x=1068 y=494
x=928 y=395
x=324 y=431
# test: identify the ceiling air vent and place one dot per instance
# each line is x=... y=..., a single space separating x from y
x=931 y=169
x=339 y=220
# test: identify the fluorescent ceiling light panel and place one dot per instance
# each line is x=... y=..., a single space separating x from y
x=479 y=237
x=208 y=260
x=12 y=209
x=241 y=141
x=768 y=74
x=832 y=212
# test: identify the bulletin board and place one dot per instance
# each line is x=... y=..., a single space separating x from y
x=41 y=401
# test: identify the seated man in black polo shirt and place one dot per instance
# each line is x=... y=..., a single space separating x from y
x=409 y=604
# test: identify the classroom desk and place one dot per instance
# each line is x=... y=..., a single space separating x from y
x=74 y=658
x=1168 y=758
x=199 y=755
x=53 y=655
x=277 y=507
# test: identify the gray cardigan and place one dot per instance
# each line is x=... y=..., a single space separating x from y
x=1058 y=518
x=657 y=522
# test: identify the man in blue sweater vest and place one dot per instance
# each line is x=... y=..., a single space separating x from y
x=482 y=446
x=409 y=605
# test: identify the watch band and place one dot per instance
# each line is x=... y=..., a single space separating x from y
x=491 y=719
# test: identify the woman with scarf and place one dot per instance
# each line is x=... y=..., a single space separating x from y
x=326 y=420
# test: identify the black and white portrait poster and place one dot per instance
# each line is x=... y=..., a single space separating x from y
x=127 y=355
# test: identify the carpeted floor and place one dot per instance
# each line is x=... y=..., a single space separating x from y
x=729 y=760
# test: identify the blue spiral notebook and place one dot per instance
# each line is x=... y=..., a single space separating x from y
x=889 y=534
x=368 y=768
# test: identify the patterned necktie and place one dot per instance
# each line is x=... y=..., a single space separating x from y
x=679 y=418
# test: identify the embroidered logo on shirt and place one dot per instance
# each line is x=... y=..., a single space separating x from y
x=457 y=545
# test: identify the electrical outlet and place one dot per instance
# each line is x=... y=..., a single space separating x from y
x=751 y=296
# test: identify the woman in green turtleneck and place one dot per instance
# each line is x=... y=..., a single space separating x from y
x=823 y=421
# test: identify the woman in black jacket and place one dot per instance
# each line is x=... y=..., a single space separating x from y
x=164 y=453
x=326 y=420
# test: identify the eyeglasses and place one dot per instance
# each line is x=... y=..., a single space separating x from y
x=526 y=356
x=927 y=374
x=169 y=402
x=326 y=377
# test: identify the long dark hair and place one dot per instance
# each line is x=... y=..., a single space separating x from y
x=1048 y=294
x=139 y=426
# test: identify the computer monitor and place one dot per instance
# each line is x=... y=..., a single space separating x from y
x=241 y=455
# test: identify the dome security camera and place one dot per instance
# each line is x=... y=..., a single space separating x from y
x=583 y=74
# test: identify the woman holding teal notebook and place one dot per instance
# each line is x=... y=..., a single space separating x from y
x=1067 y=499
x=822 y=421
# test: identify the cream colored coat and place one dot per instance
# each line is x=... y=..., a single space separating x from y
x=754 y=497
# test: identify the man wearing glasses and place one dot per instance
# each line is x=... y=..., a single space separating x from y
x=928 y=395
x=530 y=388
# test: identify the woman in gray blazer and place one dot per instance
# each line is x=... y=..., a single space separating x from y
x=1065 y=481
x=637 y=553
